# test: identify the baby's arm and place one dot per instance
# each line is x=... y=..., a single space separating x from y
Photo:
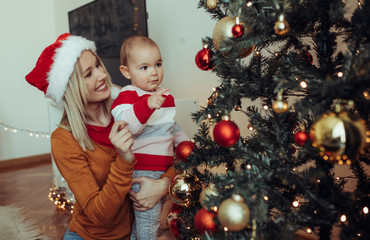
x=156 y=100
x=129 y=107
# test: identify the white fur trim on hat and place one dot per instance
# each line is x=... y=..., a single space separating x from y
x=65 y=59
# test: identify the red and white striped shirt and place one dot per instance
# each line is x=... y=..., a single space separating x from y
x=155 y=132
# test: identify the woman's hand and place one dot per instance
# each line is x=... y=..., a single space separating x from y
x=122 y=141
x=151 y=191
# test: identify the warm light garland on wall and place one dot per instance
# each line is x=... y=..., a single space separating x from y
x=59 y=197
x=30 y=132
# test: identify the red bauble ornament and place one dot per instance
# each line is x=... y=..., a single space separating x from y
x=174 y=227
x=237 y=30
x=203 y=221
x=293 y=149
x=226 y=133
x=173 y=220
x=300 y=137
x=203 y=59
x=306 y=57
x=184 y=149
x=176 y=208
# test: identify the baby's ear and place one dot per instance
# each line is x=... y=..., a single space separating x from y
x=125 y=72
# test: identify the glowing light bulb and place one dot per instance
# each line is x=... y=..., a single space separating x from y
x=366 y=210
x=343 y=218
x=295 y=204
x=340 y=74
x=303 y=84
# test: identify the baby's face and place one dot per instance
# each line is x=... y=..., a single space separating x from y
x=145 y=67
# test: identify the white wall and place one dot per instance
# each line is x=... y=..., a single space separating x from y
x=27 y=27
x=178 y=29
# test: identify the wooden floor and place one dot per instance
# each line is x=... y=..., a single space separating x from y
x=29 y=188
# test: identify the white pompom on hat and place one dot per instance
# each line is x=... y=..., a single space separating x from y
x=56 y=63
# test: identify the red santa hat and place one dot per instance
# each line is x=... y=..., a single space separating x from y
x=56 y=63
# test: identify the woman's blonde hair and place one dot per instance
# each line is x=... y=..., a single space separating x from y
x=74 y=102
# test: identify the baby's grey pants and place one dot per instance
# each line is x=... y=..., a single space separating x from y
x=146 y=223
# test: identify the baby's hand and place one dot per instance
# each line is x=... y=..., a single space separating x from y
x=156 y=100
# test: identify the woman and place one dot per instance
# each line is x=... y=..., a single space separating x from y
x=92 y=152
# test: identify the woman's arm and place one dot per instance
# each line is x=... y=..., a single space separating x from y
x=151 y=190
x=150 y=193
x=99 y=203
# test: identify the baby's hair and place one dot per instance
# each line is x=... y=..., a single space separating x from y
x=131 y=42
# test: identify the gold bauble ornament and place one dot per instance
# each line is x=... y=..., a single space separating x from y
x=233 y=213
x=340 y=137
x=211 y=4
x=246 y=52
x=281 y=26
x=280 y=105
x=207 y=193
x=223 y=31
x=184 y=189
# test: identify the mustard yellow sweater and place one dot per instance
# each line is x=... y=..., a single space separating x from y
x=100 y=181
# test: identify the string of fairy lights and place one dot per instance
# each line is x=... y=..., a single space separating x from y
x=60 y=198
x=31 y=133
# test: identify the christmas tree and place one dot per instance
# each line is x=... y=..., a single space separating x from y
x=306 y=64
